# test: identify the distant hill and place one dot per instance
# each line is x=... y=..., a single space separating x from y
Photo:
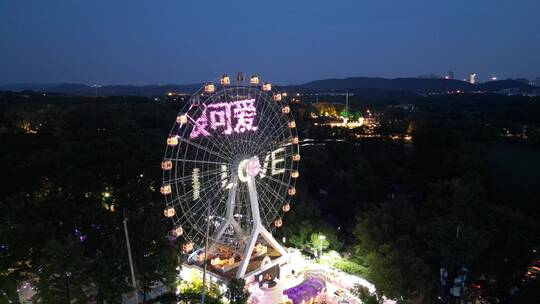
x=365 y=86
x=399 y=84
x=27 y=87
x=416 y=85
x=494 y=86
x=112 y=90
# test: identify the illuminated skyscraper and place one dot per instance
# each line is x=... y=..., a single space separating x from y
x=472 y=78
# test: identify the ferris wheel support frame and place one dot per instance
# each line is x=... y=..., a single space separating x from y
x=229 y=219
x=257 y=228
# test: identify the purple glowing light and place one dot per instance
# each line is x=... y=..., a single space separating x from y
x=227 y=117
x=82 y=237
x=306 y=290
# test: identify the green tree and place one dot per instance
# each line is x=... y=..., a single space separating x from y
x=319 y=242
x=61 y=272
x=363 y=294
x=236 y=292
x=386 y=240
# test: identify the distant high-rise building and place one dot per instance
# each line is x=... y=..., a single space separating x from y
x=450 y=74
x=472 y=78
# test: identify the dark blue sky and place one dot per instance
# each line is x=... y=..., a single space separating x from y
x=182 y=41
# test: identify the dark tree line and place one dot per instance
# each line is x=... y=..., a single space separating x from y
x=72 y=169
x=463 y=193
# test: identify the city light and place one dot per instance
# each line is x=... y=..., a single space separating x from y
x=321 y=239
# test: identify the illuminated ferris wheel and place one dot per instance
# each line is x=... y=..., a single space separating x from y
x=229 y=171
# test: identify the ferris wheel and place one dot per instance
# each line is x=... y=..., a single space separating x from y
x=230 y=169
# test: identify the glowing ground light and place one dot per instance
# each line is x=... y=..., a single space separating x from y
x=226 y=118
x=306 y=291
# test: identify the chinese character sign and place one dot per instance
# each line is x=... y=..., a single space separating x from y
x=226 y=118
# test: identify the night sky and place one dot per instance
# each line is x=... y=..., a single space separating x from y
x=182 y=41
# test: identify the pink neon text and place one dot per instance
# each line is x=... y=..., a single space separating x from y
x=226 y=118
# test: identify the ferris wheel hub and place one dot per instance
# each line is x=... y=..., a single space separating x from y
x=250 y=167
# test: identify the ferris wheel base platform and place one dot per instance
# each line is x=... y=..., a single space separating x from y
x=257 y=265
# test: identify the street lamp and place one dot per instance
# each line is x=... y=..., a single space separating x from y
x=321 y=239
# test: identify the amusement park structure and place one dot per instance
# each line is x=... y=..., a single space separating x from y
x=229 y=173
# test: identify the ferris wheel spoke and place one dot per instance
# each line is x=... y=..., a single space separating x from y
x=196 y=161
x=270 y=190
x=190 y=177
x=189 y=142
x=204 y=148
x=272 y=202
x=207 y=203
x=263 y=120
x=274 y=133
x=261 y=116
x=267 y=145
x=272 y=110
x=207 y=193
x=267 y=140
x=277 y=181
x=270 y=209
x=268 y=203
x=277 y=130
x=266 y=120
x=182 y=198
x=196 y=208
